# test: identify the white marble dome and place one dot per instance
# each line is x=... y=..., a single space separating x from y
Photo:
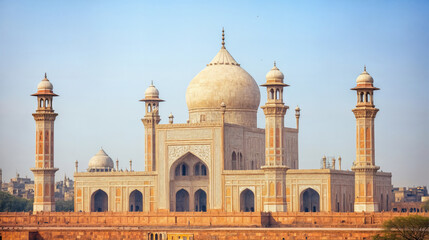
x=223 y=80
x=45 y=84
x=151 y=92
x=364 y=78
x=274 y=75
x=100 y=162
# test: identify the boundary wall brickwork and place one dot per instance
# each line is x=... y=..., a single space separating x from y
x=209 y=225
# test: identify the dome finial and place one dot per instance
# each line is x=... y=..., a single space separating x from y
x=46 y=76
x=364 y=68
x=151 y=82
x=223 y=37
x=275 y=64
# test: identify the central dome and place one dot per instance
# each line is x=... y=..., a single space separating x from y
x=223 y=81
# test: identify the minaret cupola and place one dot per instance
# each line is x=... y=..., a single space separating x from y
x=151 y=99
x=274 y=85
x=365 y=89
x=44 y=95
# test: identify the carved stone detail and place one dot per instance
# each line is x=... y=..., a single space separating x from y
x=365 y=113
x=275 y=110
x=201 y=151
x=45 y=116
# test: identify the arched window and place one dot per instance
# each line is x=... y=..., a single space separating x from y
x=203 y=170
x=361 y=97
x=46 y=103
x=367 y=97
x=240 y=161
x=184 y=170
x=181 y=170
x=271 y=93
x=41 y=102
x=277 y=94
x=149 y=108
x=344 y=202
x=234 y=161
x=387 y=202
x=197 y=169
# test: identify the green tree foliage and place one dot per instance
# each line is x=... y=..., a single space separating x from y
x=64 y=206
x=413 y=227
x=10 y=203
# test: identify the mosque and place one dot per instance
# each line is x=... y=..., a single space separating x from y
x=219 y=160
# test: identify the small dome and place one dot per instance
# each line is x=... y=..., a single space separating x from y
x=297 y=108
x=364 y=78
x=100 y=162
x=45 y=84
x=151 y=92
x=274 y=75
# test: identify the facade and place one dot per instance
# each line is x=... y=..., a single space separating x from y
x=220 y=161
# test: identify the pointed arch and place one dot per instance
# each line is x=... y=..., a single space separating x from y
x=200 y=201
x=99 y=201
x=310 y=200
x=234 y=161
x=136 y=201
x=182 y=201
x=247 y=201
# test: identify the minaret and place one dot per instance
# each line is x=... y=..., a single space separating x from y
x=44 y=171
x=364 y=167
x=274 y=198
x=150 y=120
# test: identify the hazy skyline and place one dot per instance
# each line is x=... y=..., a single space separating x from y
x=102 y=55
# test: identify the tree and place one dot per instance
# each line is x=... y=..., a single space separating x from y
x=64 y=206
x=10 y=203
x=413 y=227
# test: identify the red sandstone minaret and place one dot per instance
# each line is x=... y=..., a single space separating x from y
x=364 y=167
x=44 y=171
x=274 y=196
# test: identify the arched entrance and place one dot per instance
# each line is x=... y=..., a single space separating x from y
x=136 y=201
x=99 y=201
x=310 y=201
x=247 y=201
x=200 y=200
x=191 y=173
x=182 y=201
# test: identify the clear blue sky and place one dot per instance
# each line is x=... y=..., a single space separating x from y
x=102 y=55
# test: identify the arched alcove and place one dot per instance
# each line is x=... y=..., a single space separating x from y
x=200 y=201
x=99 y=201
x=182 y=201
x=247 y=201
x=310 y=201
x=136 y=201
